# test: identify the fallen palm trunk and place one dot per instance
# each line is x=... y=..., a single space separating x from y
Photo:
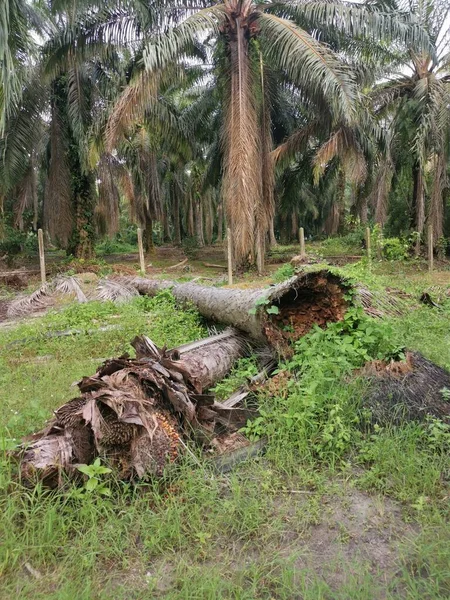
x=135 y=413
x=277 y=315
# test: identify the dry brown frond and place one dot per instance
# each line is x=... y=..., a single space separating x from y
x=343 y=145
x=115 y=291
x=379 y=195
x=69 y=285
x=242 y=185
x=24 y=305
x=131 y=106
x=297 y=142
x=107 y=209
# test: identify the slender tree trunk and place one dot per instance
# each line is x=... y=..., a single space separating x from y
x=294 y=226
x=219 y=238
x=419 y=204
x=190 y=221
x=198 y=207
x=176 y=217
x=272 y=238
x=436 y=217
x=209 y=219
x=149 y=245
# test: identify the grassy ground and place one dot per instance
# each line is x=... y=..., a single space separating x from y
x=333 y=510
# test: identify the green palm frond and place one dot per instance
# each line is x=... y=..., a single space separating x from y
x=17 y=18
x=165 y=48
x=308 y=63
x=23 y=133
x=359 y=21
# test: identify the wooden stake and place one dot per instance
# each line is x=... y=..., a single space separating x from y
x=141 y=250
x=41 y=255
x=368 y=244
x=230 y=258
x=301 y=234
x=430 y=248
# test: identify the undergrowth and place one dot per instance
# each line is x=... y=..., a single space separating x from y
x=247 y=534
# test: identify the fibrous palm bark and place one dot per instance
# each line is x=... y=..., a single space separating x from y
x=276 y=315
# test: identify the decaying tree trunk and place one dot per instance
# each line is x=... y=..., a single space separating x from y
x=134 y=413
x=276 y=315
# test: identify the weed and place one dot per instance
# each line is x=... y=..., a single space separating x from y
x=95 y=484
x=284 y=272
x=245 y=369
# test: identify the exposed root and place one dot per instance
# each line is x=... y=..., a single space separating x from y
x=316 y=299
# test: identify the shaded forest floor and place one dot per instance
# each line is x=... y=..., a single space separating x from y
x=369 y=522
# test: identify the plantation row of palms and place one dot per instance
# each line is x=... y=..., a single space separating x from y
x=260 y=115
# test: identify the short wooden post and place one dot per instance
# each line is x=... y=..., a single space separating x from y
x=41 y=255
x=430 y=248
x=230 y=257
x=141 y=250
x=301 y=235
x=368 y=245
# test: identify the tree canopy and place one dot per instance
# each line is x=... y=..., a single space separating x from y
x=260 y=115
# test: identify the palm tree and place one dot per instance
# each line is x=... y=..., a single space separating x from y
x=18 y=20
x=252 y=40
x=420 y=98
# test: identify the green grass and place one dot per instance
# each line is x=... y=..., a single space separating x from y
x=309 y=520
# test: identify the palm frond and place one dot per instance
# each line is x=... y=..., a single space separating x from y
x=296 y=142
x=242 y=152
x=359 y=21
x=344 y=146
x=115 y=291
x=69 y=286
x=165 y=48
x=309 y=64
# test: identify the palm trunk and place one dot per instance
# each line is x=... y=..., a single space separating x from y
x=436 y=217
x=145 y=408
x=364 y=210
x=312 y=298
x=176 y=216
x=166 y=227
x=419 y=205
x=209 y=219
x=294 y=226
x=219 y=238
x=34 y=192
x=190 y=221
x=198 y=207
x=242 y=181
x=149 y=245
x=81 y=244
x=272 y=238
